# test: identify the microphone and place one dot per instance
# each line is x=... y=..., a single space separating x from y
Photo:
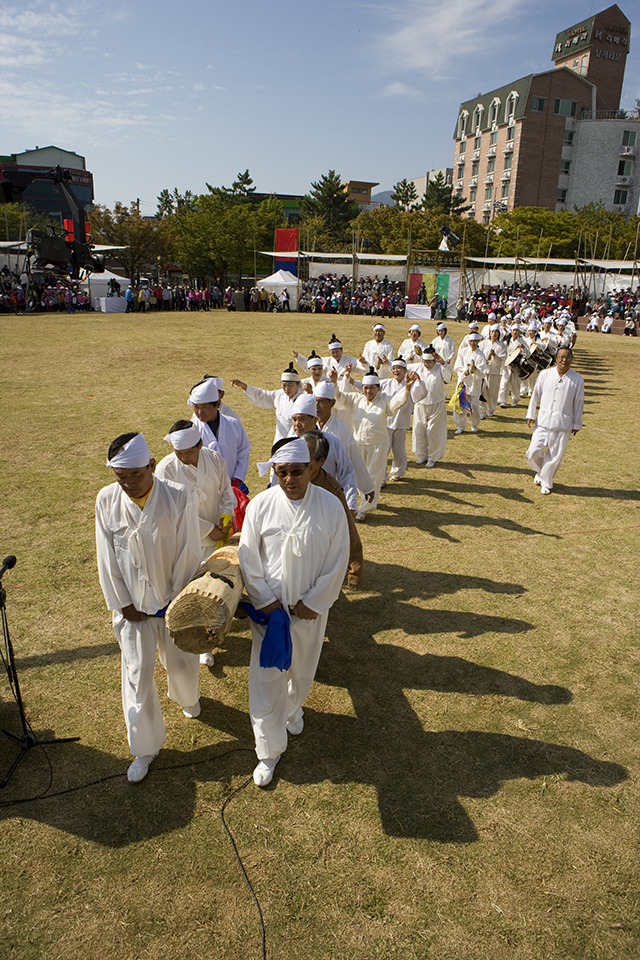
x=7 y=564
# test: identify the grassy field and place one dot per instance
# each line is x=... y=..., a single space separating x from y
x=467 y=782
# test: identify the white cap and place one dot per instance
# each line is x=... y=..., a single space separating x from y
x=325 y=390
x=305 y=403
x=205 y=392
x=416 y=326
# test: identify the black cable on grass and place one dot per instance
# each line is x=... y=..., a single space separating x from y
x=176 y=766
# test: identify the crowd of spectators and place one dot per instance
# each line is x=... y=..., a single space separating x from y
x=155 y=297
x=44 y=293
x=369 y=296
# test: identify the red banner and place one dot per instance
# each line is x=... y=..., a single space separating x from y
x=287 y=240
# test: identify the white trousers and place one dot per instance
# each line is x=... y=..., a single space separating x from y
x=398 y=447
x=473 y=418
x=276 y=696
x=490 y=390
x=510 y=382
x=429 y=439
x=375 y=458
x=546 y=451
x=529 y=383
x=140 y=702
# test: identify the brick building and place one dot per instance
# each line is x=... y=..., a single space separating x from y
x=516 y=146
x=19 y=180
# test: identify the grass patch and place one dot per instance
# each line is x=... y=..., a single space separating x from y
x=466 y=784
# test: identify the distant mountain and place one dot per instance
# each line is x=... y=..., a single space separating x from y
x=384 y=196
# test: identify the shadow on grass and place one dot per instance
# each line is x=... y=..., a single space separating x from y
x=605 y=492
x=66 y=656
x=430 y=521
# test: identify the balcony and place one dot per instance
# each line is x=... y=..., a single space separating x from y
x=506 y=176
x=473 y=182
x=488 y=178
x=627 y=151
x=508 y=148
x=487 y=205
x=491 y=152
x=476 y=154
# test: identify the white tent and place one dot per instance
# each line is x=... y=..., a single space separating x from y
x=277 y=282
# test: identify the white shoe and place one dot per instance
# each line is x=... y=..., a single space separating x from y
x=192 y=712
x=263 y=773
x=459 y=430
x=515 y=404
x=207 y=659
x=140 y=768
x=537 y=480
x=361 y=517
x=419 y=462
x=295 y=726
x=431 y=463
x=545 y=490
x=474 y=429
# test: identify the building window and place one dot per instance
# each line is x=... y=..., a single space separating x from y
x=460 y=171
x=491 y=164
x=562 y=196
x=477 y=142
x=511 y=132
x=629 y=138
x=493 y=139
x=462 y=123
x=472 y=195
x=620 y=197
x=624 y=168
x=477 y=117
x=493 y=114
x=510 y=108
x=488 y=193
x=565 y=108
x=508 y=160
x=474 y=168
x=583 y=67
x=537 y=104
x=564 y=166
x=568 y=138
x=505 y=191
x=463 y=146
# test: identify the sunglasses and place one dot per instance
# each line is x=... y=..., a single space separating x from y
x=284 y=471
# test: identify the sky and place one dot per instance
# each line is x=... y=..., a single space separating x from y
x=159 y=94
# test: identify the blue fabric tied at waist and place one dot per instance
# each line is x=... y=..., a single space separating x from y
x=160 y=613
x=276 y=646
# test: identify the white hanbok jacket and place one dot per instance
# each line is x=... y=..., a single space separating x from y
x=339 y=429
x=232 y=442
x=146 y=557
x=561 y=400
x=208 y=483
x=277 y=400
x=402 y=419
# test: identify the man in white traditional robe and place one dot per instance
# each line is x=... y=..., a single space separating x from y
x=148 y=549
x=560 y=393
x=377 y=353
x=337 y=360
x=294 y=552
x=280 y=400
x=413 y=341
x=429 y=437
x=495 y=352
x=370 y=411
x=471 y=366
x=337 y=463
x=511 y=381
x=399 y=423
x=204 y=473
x=443 y=344
x=325 y=394
x=220 y=433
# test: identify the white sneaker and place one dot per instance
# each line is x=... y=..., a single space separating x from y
x=545 y=490
x=207 y=659
x=192 y=712
x=459 y=430
x=419 y=462
x=431 y=463
x=263 y=773
x=474 y=429
x=537 y=480
x=295 y=726
x=361 y=517
x=140 y=768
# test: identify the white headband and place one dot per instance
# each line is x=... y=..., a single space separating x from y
x=325 y=390
x=416 y=326
x=314 y=362
x=205 y=392
x=134 y=454
x=184 y=439
x=296 y=451
x=378 y=326
x=371 y=380
x=335 y=345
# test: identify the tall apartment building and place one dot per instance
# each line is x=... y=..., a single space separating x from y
x=534 y=142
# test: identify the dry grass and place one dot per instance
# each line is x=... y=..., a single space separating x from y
x=466 y=785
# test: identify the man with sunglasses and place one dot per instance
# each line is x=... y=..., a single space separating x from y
x=294 y=552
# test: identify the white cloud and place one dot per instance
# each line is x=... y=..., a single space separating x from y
x=431 y=36
x=398 y=89
x=198 y=86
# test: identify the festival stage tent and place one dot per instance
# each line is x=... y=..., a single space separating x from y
x=277 y=282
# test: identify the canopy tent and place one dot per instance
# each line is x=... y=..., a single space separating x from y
x=277 y=282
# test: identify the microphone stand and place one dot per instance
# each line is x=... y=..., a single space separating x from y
x=27 y=739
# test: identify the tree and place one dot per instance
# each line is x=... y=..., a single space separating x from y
x=171 y=202
x=405 y=195
x=240 y=191
x=145 y=238
x=328 y=199
x=19 y=218
x=439 y=195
